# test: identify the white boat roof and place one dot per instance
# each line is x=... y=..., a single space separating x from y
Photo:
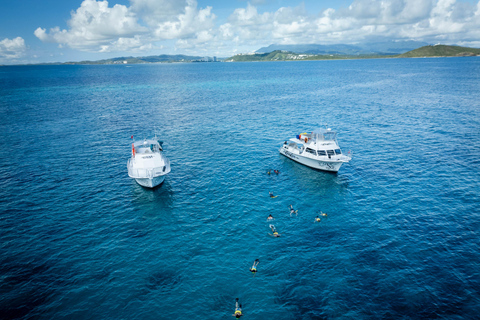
x=145 y=142
x=322 y=131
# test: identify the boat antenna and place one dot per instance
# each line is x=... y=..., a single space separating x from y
x=155 y=129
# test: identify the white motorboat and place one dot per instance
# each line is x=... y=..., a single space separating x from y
x=148 y=166
x=318 y=150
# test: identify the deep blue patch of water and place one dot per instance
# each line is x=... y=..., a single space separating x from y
x=79 y=239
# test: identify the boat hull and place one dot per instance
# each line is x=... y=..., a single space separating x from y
x=330 y=166
x=150 y=182
x=148 y=177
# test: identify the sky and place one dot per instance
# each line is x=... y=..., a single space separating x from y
x=33 y=31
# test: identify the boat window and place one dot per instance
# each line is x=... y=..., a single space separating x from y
x=311 y=151
x=322 y=153
x=338 y=151
x=331 y=152
x=329 y=135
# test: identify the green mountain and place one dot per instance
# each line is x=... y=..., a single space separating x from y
x=149 y=59
x=277 y=55
x=426 y=51
x=369 y=48
x=440 y=51
x=280 y=55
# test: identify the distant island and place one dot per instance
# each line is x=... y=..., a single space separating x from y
x=302 y=52
x=425 y=51
x=441 y=51
x=363 y=49
x=164 y=58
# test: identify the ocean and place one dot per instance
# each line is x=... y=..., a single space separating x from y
x=79 y=239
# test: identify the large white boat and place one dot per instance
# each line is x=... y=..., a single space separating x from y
x=318 y=150
x=148 y=166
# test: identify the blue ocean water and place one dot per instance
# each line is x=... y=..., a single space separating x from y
x=79 y=239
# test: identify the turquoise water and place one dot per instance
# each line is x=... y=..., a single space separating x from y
x=81 y=240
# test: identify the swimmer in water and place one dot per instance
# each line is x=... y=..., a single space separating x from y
x=269 y=172
x=270 y=217
x=293 y=211
x=323 y=214
x=276 y=171
x=274 y=230
x=271 y=194
x=253 y=269
x=317 y=219
x=238 y=309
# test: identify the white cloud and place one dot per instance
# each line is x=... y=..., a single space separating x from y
x=190 y=23
x=146 y=24
x=249 y=17
x=41 y=34
x=423 y=20
x=11 y=49
x=126 y=44
x=97 y=27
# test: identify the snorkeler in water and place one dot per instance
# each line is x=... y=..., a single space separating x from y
x=317 y=219
x=253 y=269
x=293 y=211
x=271 y=195
x=275 y=232
x=323 y=214
x=270 y=217
x=238 y=309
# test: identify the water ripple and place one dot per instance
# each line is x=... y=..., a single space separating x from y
x=82 y=240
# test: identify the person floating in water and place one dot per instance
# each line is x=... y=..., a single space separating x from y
x=317 y=219
x=293 y=210
x=275 y=232
x=271 y=195
x=276 y=171
x=269 y=172
x=270 y=217
x=253 y=269
x=238 y=309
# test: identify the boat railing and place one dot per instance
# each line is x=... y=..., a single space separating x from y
x=148 y=173
x=141 y=173
x=166 y=167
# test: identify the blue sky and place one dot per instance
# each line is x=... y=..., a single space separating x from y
x=33 y=31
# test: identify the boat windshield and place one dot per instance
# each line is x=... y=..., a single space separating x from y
x=329 y=135
x=147 y=147
x=322 y=135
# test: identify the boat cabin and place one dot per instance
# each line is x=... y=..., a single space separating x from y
x=319 y=143
x=320 y=135
x=147 y=146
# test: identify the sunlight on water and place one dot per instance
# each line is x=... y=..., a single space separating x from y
x=80 y=239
